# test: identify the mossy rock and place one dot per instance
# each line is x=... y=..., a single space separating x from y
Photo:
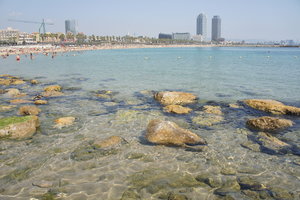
x=130 y=194
x=155 y=180
x=209 y=180
x=248 y=183
x=280 y=193
x=13 y=120
x=87 y=152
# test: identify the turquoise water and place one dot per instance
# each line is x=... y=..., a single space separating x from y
x=211 y=73
x=62 y=163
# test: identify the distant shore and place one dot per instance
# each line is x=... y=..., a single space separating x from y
x=47 y=48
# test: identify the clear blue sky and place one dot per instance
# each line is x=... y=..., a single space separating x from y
x=241 y=19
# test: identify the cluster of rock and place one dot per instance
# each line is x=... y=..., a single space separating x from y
x=268 y=125
x=17 y=127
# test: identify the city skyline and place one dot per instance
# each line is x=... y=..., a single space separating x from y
x=260 y=20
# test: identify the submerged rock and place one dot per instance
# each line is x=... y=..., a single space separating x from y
x=272 y=106
x=207 y=119
x=280 y=193
x=53 y=88
x=169 y=133
x=52 y=94
x=18 y=127
x=248 y=183
x=29 y=110
x=6 y=108
x=40 y=102
x=269 y=123
x=272 y=143
x=19 y=101
x=108 y=142
x=12 y=92
x=64 y=122
x=212 y=110
x=178 y=109
x=34 y=82
x=175 y=98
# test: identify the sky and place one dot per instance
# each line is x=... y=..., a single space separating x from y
x=241 y=19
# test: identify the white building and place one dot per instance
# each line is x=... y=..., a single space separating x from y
x=181 y=36
x=9 y=35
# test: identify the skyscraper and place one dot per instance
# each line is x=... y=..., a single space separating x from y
x=71 y=26
x=201 y=25
x=216 y=28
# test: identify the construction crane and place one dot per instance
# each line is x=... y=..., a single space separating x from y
x=42 y=24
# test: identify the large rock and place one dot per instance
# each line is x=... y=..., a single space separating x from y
x=18 y=127
x=272 y=145
x=175 y=98
x=169 y=133
x=12 y=92
x=268 y=123
x=178 y=109
x=29 y=110
x=52 y=88
x=272 y=106
x=40 y=102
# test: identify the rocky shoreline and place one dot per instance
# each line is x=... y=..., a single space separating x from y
x=20 y=121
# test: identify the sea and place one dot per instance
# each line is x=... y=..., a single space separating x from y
x=63 y=163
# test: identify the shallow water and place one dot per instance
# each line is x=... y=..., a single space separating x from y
x=218 y=76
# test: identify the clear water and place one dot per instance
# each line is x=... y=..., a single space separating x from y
x=218 y=76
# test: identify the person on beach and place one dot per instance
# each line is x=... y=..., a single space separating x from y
x=18 y=58
x=31 y=56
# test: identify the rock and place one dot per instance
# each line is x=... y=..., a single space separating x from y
x=52 y=88
x=2 y=91
x=213 y=182
x=272 y=106
x=212 y=110
x=234 y=105
x=173 y=196
x=19 y=101
x=64 y=122
x=5 y=81
x=248 y=183
x=130 y=194
x=273 y=144
x=18 y=127
x=12 y=92
x=169 y=133
x=29 y=110
x=103 y=96
x=17 y=82
x=52 y=94
x=175 y=98
x=40 y=102
x=34 y=82
x=268 y=123
x=228 y=171
x=178 y=109
x=156 y=180
x=87 y=152
x=280 y=193
x=108 y=142
x=6 y=108
x=207 y=119
x=251 y=145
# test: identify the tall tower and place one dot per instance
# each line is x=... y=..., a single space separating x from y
x=201 y=25
x=71 y=26
x=216 y=28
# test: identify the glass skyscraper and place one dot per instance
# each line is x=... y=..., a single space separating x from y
x=201 y=25
x=216 y=28
x=71 y=26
